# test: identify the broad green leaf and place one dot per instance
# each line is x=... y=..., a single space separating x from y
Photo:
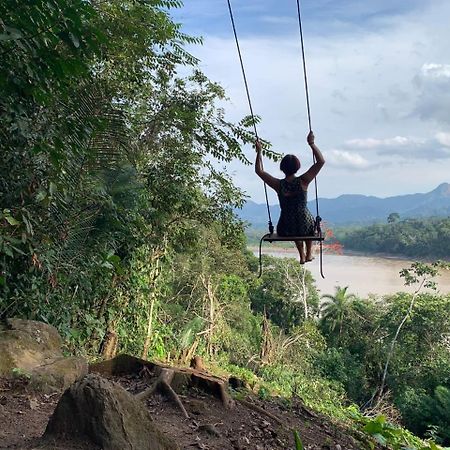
x=380 y=438
x=12 y=221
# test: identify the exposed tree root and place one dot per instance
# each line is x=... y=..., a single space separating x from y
x=162 y=384
x=262 y=411
x=167 y=380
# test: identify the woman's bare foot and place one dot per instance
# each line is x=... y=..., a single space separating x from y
x=301 y=251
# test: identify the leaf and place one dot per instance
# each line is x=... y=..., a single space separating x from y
x=11 y=34
x=2 y=280
x=7 y=250
x=373 y=427
x=52 y=188
x=298 y=442
x=12 y=221
x=42 y=195
x=75 y=40
x=380 y=438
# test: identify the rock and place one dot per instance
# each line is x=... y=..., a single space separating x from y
x=197 y=407
x=33 y=349
x=58 y=374
x=25 y=344
x=104 y=414
x=210 y=429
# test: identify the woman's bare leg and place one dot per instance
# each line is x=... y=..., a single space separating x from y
x=301 y=251
x=309 y=256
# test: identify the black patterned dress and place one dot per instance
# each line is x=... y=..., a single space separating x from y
x=295 y=218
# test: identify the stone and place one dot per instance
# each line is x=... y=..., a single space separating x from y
x=33 y=349
x=104 y=414
x=25 y=344
x=58 y=374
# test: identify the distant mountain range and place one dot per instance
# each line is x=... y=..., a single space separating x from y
x=361 y=209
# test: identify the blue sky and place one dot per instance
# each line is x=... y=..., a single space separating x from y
x=379 y=76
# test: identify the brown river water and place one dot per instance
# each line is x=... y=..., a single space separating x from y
x=363 y=274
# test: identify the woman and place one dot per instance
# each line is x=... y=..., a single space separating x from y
x=295 y=218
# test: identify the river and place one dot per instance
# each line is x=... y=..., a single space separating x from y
x=363 y=274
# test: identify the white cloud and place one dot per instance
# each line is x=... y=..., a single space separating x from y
x=436 y=70
x=443 y=138
x=346 y=160
x=371 y=143
x=433 y=92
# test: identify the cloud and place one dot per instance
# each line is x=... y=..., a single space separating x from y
x=346 y=160
x=443 y=138
x=409 y=149
x=278 y=20
x=436 y=71
x=433 y=89
x=371 y=143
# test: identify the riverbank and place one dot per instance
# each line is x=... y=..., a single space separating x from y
x=365 y=275
x=345 y=252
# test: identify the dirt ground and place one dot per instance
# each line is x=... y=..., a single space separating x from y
x=252 y=424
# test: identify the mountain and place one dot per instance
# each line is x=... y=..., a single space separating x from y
x=361 y=209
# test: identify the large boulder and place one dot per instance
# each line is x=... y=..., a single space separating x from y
x=33 y=349
x=104 y=414
x=25 y=344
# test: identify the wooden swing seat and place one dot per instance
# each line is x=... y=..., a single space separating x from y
x=273 y=237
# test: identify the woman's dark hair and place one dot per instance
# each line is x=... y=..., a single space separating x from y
x=289 y=164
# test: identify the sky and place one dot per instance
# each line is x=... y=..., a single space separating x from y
x=379 y=83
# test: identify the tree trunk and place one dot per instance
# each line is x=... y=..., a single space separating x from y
x=304 y=296
x=154 y=275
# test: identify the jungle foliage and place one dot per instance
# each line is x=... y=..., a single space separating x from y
x=418 y=238
x=117 y=224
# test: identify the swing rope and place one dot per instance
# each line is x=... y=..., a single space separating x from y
x=308 y=109
x=247 y=90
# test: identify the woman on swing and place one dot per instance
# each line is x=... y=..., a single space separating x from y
x=295 y=218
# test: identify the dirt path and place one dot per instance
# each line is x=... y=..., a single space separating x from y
x=255 y=424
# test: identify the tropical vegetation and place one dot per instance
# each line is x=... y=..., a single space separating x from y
x=417 y=238
x=117 y=222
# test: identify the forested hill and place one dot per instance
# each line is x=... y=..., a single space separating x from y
x=418 y=238
x=362 y=209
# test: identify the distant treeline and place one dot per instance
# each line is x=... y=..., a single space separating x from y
x=428 y=238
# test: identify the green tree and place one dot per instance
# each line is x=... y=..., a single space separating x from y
x=286 y=292
x=335 y=309
x=393 y=217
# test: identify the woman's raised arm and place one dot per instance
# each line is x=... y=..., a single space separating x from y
x=312 y=172
x=273 y=182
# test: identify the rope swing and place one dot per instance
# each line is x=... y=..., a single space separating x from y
x=247 y=90
x=271 y=236
x=308 y=110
